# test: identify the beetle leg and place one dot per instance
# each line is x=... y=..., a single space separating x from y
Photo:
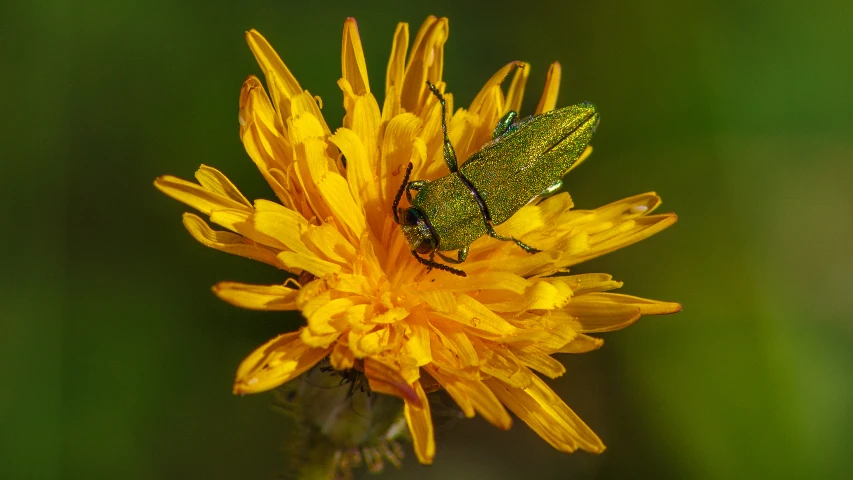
x=449 y=153
x=461 y=255
x=430 y=264
x=527 y=248
x=414 y=185
x=504 y=124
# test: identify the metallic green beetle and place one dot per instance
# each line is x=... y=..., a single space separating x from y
x=524 y=160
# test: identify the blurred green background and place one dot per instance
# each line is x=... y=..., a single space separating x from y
x=117 y=360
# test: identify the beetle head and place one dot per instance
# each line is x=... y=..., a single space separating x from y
x=417 y=230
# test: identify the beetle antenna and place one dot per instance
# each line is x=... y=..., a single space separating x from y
x=434 y=264
x=449 y=152
x=400 y=192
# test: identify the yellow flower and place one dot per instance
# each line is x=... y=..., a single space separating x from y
x=368 y=303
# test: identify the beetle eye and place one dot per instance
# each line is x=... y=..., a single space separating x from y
x=424 y=247
x=409 y=218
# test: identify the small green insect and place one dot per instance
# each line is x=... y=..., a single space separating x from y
x=525 y=160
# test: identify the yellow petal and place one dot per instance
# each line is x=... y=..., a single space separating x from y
x=604 y=312
x=369 y=260
x=432 y=136
x=548 y=330
x=550 y=339
x=283 y=226
x=416 y=345
x=329 y=318
x=452 y=350
x=304 y=127
x=539 y=361
x=313 y=340
x=440 y=300
x=259 y=131
x=582 y=344
x=513 y=259
x=419 y=420
x=590 y=282
x=489 y=281
x=472 y=396
x=356 y=316
x=350 y=283
x=281 y=81
x=306 y=104
x=276 y=362
x=310 y=263
x=364 y=121
x=465 y=130
x=358 y=165
x=396 y=153
x=530 y=218
x=474 y=314
x=335 y=191
x=515 y=93
x=275 y=229
x=213 y=180
x=256 y=108
x=384 y=378
x=580 y=235
x=542 y=295
x=196 y=196
x=552 y=88
x=540 y=408
x=394 y=73
x=372 y=342
x=257 y=297
x=312 y=296
x=326 y=240
x=353 y=64
x=360 y=148
x=229 y=242
x=486 y=110
x=493 y=85
x=425 y=63
x=397 y=62
x=341 y=357
x=312 y=164
x=393 y=315
x=497 y=361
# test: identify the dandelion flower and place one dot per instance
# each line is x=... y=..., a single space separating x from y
x=368 y=304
